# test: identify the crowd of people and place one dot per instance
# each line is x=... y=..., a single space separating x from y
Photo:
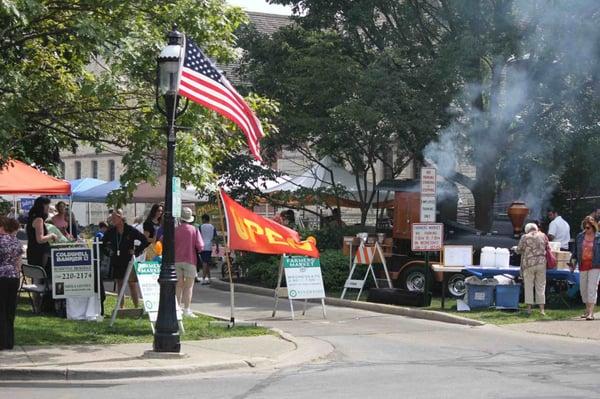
x=120 y=243
x=143 y=241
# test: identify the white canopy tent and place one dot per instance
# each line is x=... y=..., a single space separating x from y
x=320 y=176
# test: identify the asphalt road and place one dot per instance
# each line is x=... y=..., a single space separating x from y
x=375 y=356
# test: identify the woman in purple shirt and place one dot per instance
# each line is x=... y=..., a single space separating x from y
x=10 y=270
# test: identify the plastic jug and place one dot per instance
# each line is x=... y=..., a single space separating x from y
x=488 y=257
x=502 y=257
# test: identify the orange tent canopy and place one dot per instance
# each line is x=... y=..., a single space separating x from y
x=19 y=178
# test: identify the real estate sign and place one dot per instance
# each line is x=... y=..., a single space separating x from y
x=72 y=272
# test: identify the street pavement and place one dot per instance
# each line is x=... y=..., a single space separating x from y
x=374 y=355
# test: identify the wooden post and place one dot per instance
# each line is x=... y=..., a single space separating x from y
x=231 y=288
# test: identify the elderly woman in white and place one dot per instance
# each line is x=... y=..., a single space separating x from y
x=532 y=248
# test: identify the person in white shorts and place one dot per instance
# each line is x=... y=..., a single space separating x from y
x=188 y=242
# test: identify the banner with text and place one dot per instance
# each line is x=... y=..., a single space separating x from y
x=253 y=233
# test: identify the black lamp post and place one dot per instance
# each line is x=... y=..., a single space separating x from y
x=166 y=335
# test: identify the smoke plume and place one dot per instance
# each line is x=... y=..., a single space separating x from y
x=528 y=121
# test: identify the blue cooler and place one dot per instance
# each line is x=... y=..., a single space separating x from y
x=480 y=296
x=507 y=296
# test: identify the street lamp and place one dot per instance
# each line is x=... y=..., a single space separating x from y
x=166 y=334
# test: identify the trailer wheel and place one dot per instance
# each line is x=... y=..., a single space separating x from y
x=456 y=285
x=413 y=278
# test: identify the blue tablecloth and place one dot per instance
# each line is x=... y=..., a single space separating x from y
x=554 y=274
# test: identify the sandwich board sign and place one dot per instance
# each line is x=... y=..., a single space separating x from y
x=72 y=273
x=303 y=277
x=147 y=275
x=304 y=280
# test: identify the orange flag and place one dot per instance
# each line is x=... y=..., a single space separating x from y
x=253 y=233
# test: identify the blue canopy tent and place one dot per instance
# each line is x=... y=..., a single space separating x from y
x=97 y=194
x=80 y=185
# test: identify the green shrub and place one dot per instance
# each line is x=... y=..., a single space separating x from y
x=263 y=269
x=334 y=267
x=260 y=269
x=265 y=273
x=332 y=237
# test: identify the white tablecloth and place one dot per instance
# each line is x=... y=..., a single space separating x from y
x=84 y=309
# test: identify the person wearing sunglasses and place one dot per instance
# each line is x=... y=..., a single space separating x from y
x=587 y=257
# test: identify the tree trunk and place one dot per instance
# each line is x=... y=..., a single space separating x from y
x=484 y=194
x=363 y=215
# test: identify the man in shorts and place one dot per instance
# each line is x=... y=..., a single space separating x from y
x=209 y=236
x=188 y=242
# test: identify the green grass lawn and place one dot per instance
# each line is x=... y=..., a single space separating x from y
x=32 y=329
x=556 y=310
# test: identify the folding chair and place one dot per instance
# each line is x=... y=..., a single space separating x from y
x=40 y=285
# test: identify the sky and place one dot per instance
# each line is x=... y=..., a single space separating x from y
x=261 y=6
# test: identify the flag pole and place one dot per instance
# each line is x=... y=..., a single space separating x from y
x=231 y=287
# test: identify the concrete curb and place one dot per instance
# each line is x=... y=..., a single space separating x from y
x=83 y=374
x=298 y=355
x=369 y=306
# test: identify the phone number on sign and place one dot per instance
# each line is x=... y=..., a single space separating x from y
x=71 y=276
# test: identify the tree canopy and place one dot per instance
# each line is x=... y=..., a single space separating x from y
x=363 y=105
x=518 y=78
x=84 y=72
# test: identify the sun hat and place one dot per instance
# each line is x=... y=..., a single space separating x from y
x=118 y=213
x=187 y=215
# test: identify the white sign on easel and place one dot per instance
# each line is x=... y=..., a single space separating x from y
x=147 y=274
x=303 y=279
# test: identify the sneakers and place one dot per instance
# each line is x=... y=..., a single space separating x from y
x=203 y=281
x=198 y=279
x=189 y=313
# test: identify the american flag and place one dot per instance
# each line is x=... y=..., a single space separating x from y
x=202 y=83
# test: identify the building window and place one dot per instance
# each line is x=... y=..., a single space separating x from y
x=62 y=170
x=77 y=169
x=95 y=169
x=111 y=170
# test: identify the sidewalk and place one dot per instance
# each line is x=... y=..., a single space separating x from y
x=576 y=328
x=94 y=362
